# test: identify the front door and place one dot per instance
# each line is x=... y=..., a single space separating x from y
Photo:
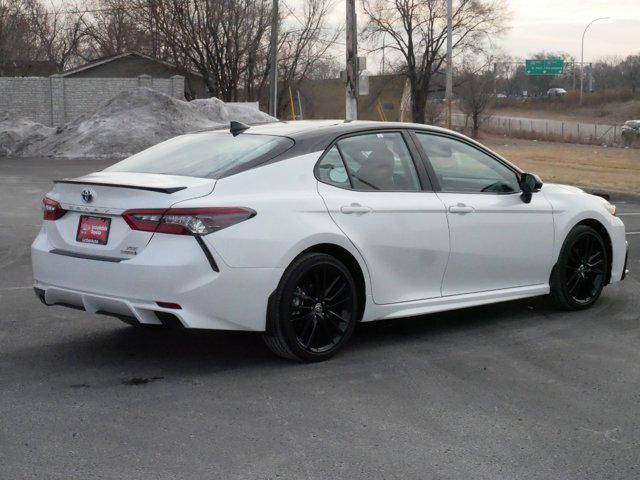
x=372 y=190
x=497 y=240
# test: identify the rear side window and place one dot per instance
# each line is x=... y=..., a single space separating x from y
x=205 y=155
x=373 y=161
x=331 y=169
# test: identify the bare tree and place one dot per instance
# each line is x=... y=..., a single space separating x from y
x=305 y=46
x=58 y=29
x=222 y=40
x=17 y=39
x=434 y=112
x=111 y=29
x=631 y=72
x=476 y=92
x=416 y=30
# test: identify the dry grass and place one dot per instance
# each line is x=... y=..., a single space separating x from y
x=606 y=168
x=604 y=108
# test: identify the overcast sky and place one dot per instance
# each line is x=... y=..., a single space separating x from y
x=557 y=25
x=551 y=26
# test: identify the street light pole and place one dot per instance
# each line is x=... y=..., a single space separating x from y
x=582 y=54
x=449 y=85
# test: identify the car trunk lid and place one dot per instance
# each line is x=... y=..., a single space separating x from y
x=105 y=196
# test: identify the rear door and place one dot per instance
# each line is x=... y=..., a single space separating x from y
x=93 y=224
x=382 y=200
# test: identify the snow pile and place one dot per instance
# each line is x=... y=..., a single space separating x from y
x=17 y=134
x=135 y=120
x=214 y=108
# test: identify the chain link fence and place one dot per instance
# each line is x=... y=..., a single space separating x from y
x=543 y=129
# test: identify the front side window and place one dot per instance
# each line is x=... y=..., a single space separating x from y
x=379 y=161
x=206 y=155
x=460 y=167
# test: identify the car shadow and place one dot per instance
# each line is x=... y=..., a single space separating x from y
x=140 y=355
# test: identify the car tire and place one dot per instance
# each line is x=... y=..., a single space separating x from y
x=313 y=312
x=580 y=274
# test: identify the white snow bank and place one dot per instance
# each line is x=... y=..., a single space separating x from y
x=135 y=120
x=16 y=134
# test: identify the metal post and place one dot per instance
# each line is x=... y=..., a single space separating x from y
x=299 y=105
x=449 y=84
x=351 y=103
x=273 y=61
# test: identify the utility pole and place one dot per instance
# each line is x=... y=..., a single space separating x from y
x=449 y=86
x=273 y=61
x=384 y=46
x=351 y=101
x=582 y=53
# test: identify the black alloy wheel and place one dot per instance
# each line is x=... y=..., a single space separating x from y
x=315 y=309
x=581 y=271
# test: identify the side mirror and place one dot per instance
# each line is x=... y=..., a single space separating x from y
x=529 y=183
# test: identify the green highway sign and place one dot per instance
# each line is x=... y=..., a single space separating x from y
x=552 y=66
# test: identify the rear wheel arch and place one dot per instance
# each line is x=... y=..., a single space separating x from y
x=348 y=259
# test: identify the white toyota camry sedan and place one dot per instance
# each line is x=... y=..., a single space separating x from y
x=300 y=230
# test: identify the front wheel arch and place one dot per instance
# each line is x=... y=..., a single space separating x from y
x=604 y=234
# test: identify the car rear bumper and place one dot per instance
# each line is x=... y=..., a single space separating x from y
x=172 y=269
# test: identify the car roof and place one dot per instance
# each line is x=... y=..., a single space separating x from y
x=302 y=128
x=316 y=135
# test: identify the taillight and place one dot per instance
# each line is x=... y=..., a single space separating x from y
x=51 y=209
x=187 y=221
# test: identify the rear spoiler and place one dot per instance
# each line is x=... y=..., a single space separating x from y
x=167 y=190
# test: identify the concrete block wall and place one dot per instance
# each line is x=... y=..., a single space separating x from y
x=28 y=97
x=56 y=100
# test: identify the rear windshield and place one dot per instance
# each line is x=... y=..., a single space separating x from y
x=206 y=155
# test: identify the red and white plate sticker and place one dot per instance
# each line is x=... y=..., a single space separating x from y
x=93 y=230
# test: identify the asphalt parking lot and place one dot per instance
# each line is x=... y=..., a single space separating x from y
x=516 y=390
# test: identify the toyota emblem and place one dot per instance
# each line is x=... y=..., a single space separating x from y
x=87 y=195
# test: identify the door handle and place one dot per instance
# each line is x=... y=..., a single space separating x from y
x=461 y=208
x=355 y=208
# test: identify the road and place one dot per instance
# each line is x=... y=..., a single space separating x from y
x=516 y=390
x=604 y=133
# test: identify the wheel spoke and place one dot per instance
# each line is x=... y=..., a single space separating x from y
x=334 y=323
x=340 y=290
x=574 y=256
x=331 y=312
x=573 y=281
x=335 y=304
x=306 y=315
x=311 y=335
x=328 y=335
x=304 y=296
x=331 y=285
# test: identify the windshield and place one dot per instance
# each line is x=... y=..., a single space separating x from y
x=206 y=155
